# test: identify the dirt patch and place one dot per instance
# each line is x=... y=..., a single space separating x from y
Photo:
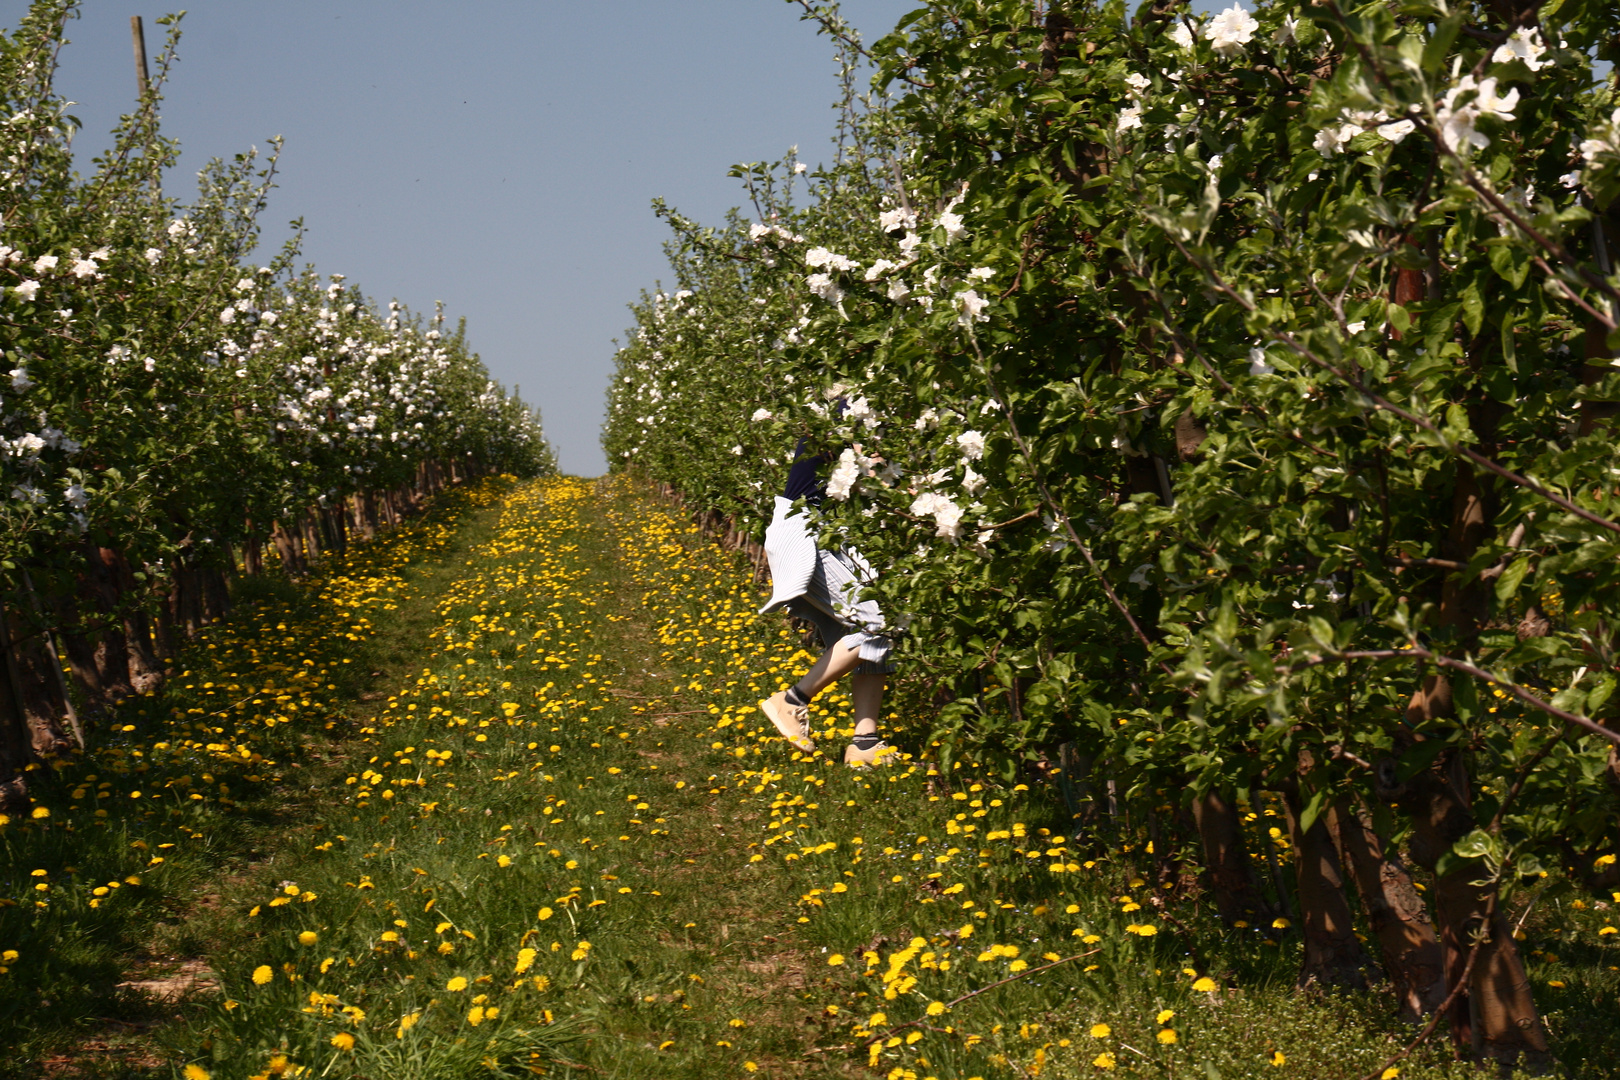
x=167 y=982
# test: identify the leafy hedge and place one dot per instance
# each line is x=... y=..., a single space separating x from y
x=1228 y=402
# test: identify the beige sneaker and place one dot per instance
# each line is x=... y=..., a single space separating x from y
x=881 y=754
x=793 y=721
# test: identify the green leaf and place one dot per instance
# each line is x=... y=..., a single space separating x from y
x=1511 y=578
x=1317 y=803
x=1438 y=49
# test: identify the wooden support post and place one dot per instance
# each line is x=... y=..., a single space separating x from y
x=143 y=80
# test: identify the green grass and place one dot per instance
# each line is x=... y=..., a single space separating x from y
x=567 y=753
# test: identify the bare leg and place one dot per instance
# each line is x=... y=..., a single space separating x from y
x=831 y=666
x=867 y=691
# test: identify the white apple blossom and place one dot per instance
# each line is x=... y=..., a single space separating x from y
x=85 y=268
x=971 y=481
x=1231 y=30
x=898 y=291
x=76 y=496
x=762 y=414
x=1181 y=34
x=824 y=286
x=1257 y=363
x=819 y=256
x=970 y=307
x=1458 y=117
x=1137 y=83
x=45 y=263
x=20 y=382
x=899 y=218
x=1525 y=45
x=981 y=273
x=1286 y=32
x=860 y=411
x=951 y=222
x=879 y=268
x=971 y=444
x=1331 y=139
x=1129 y=117
x=1356 y=327
x=843 y=477
x=946 y=514
x=27 y=289
x=1602 y=140
x=1396 y=130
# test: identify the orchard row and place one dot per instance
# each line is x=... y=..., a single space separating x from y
x=169 y=410
x=1227 y=403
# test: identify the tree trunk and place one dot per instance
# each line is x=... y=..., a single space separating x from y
x=1333 y=954
x=287 y=547
x=1226 y=860
x=338 y=527
x=36 y=686
x=1396 y=913
x=216 y=592
x=16 y=753
x=100 y=594
x=144 y=670
x=79 y=648
x=309 y=526
x=252 y=551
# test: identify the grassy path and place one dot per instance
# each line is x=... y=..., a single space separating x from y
x=564 y=844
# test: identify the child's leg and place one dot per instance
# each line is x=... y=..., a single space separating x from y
x=832 y=665
x=867 y=692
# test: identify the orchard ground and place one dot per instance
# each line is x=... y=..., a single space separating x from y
x=491 y=796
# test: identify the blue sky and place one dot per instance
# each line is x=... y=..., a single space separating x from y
x=498 y=155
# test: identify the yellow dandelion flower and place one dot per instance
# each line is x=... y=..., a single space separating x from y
x=1167 y=1036
x=1205 y=985
x=262 y=974
x=1101 y=1031
x=835 y=960
x=1103 y=1060
x=456 y=985
x=194 y=1071
x=1278 y=1059
x=308 y=937
x=1165 y=1017
x=343 y=1041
